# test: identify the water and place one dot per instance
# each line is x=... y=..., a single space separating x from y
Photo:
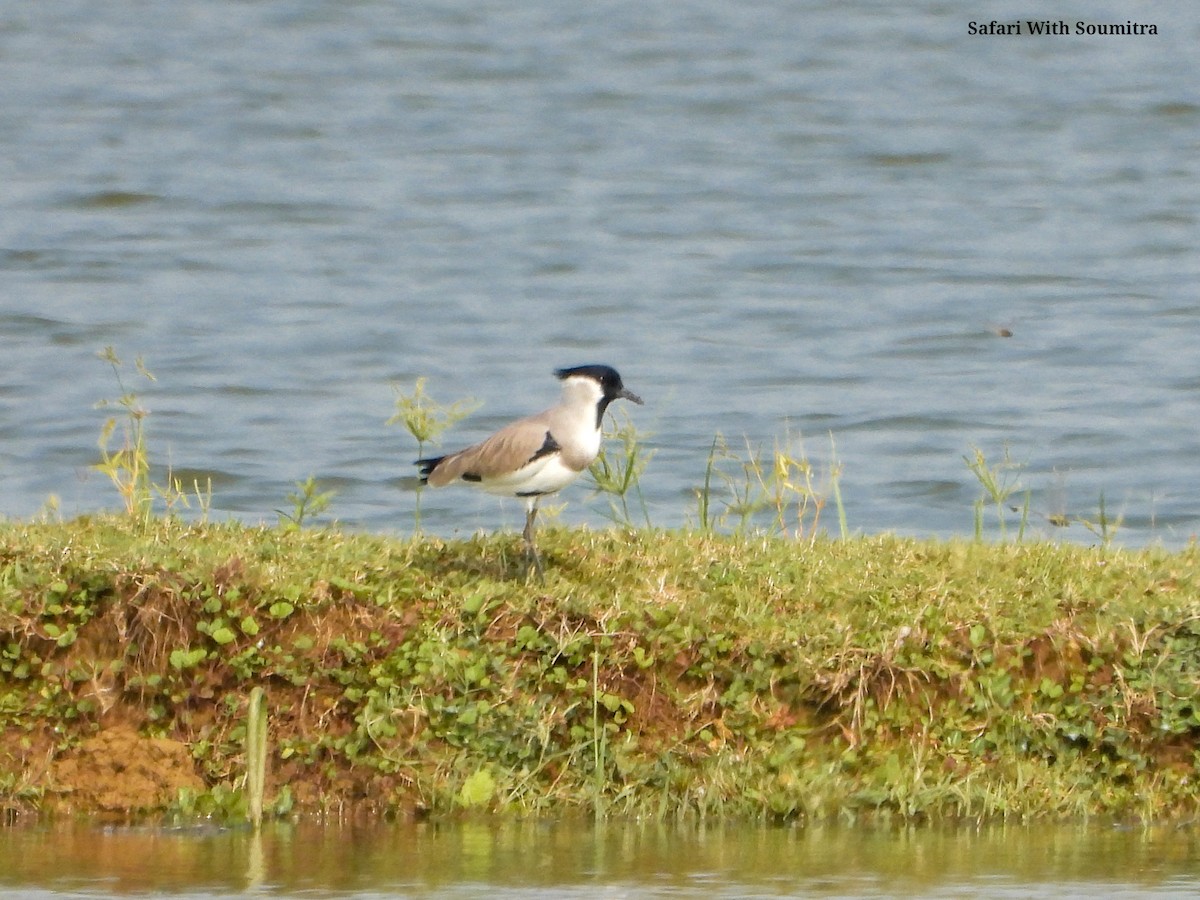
x=771 y=216
x=527 y=860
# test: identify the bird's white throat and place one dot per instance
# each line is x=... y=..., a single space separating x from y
x=580 y=399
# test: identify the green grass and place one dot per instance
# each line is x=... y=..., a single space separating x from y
x=669 y=675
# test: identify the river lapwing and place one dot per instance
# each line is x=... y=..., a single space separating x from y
x=540 y=454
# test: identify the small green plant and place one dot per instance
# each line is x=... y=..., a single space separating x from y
x=745 y=491
x=128 y=466
x=308 y=502
x=618 y=476
x=782 y=484
x=174 y=495
x=796 y=500
x=999 y=482
x=51 y=510
x=1103 y=527
x=426 y=419
x=256 y=755
x=478 y=789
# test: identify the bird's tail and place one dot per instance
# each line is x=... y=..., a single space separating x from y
x=427 y=465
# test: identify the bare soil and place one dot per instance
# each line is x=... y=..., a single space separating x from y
x=120 y=771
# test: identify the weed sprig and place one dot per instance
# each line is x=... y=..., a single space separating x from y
x=128 y=466
x=618 y=475
x=308 y=501
x=426 y=420
x=782 y=488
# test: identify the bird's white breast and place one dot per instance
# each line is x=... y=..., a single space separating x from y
x=542 y=476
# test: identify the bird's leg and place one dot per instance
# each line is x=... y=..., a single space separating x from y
x=530 y=547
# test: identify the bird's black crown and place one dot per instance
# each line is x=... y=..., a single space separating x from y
x=606 y=376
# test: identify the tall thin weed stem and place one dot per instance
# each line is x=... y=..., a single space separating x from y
x=256 y=754
x=835 y=484
x=425 y=419
x=599 y=741
x=707 y=520
x=128 y=466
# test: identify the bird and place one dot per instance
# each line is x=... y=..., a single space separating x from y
x=541 y=454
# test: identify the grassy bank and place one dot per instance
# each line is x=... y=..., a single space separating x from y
x=660 y=674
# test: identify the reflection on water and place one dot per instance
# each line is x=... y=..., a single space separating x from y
x=539 y=859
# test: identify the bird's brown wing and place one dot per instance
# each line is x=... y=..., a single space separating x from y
x=508 y=450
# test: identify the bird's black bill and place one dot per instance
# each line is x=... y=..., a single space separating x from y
x=629 y=395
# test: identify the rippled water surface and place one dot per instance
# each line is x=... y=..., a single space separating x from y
x=558 y=860
x=773 y=217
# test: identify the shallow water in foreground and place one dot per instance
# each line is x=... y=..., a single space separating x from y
x=542 y=860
